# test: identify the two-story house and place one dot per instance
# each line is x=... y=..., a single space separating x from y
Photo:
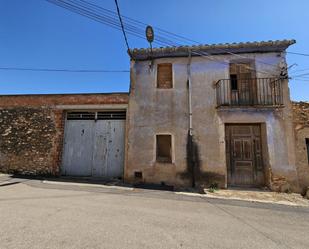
x=214 y=114
x=200 y=115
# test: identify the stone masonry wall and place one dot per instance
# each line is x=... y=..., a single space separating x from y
x=27 y=137
x=32 y=128
x=301 y=125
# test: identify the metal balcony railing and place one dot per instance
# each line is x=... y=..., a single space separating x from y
x=249 y=92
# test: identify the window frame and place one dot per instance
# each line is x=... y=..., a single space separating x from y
x=172 y=158
x=157 y=74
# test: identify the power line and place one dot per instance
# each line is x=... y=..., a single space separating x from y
x=113 y=23
x=300 y=70
x=297 y=53
x=122 y=28
x=300 y=79
x=301 y=75
x=109 y=18
x=133 y=30
x=87 y=9
x=184 y=38
x=63 y=70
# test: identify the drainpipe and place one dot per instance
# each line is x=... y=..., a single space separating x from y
x=189 y=92
x=190 y=142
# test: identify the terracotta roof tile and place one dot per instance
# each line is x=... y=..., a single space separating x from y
x=241 y=47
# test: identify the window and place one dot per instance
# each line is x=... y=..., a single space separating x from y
x=164 y=148
x=164 y=76
x=242 y=70
x=234 y=86
x=307 y=145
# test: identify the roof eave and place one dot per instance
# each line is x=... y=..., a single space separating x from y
x=204 y=50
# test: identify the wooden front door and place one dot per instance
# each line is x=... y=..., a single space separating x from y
x=244 y=155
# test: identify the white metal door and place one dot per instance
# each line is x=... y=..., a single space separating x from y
x=77 y=154
x=94 y=147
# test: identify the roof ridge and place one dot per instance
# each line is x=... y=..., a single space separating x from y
x=229 y=44
x=240 y=47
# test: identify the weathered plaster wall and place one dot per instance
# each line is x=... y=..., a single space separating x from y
x=153 y=110
x=301 y=124
x=31 y=129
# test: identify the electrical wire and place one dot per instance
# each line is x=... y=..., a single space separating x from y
x=175 y=35
x=109 y=22
x=62 y=70
x=300 y=75
x=109 y=15
x=300 y=70
x=122 y=28
x=79 y=8
x=297 y=53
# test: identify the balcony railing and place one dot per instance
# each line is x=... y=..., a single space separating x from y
x=249 y=92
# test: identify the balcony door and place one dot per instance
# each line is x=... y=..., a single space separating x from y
x=243 y=84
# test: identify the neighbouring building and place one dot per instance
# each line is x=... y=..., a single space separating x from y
x=63 y=134
x=210 y=115
x=301 y=125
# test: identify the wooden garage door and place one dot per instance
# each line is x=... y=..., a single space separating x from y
x=94 y=144
x=244 y=155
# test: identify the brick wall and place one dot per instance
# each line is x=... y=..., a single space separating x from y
x=62 y=99
x=31 y=130
x=301 y=124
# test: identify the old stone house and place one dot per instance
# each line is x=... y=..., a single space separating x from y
x=201 y=115
x=234 y=101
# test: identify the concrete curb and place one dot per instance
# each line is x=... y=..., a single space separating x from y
x=86 y=185
x=209 y=196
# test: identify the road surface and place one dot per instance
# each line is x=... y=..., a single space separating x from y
x=39 y=215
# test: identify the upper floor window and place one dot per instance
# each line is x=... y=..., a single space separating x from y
x=242 y=83
x=165 y=76
x=241 y=71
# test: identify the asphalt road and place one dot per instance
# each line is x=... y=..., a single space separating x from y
x=39 y=215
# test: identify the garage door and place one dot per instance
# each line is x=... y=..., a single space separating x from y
x=94 y=144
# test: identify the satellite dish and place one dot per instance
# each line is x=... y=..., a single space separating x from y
x=149 y=34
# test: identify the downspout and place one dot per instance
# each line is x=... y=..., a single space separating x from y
x=190 y=142
x=189 y=92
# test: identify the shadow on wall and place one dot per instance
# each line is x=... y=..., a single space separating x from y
x=194 y=173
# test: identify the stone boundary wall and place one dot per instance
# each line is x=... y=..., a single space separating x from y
x=32 y=128
x=301 y=125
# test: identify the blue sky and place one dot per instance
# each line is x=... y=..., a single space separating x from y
x=37 y=34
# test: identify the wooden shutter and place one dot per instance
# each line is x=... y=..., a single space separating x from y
x=165 y=76
x=164 y=148
x=242 y=70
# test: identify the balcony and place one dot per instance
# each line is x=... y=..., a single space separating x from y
x=254 y=92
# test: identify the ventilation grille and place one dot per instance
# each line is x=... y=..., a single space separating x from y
x=81 y=116
x=108 y=115
x=111 y=115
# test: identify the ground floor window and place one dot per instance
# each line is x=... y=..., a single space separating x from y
x=164 y=148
